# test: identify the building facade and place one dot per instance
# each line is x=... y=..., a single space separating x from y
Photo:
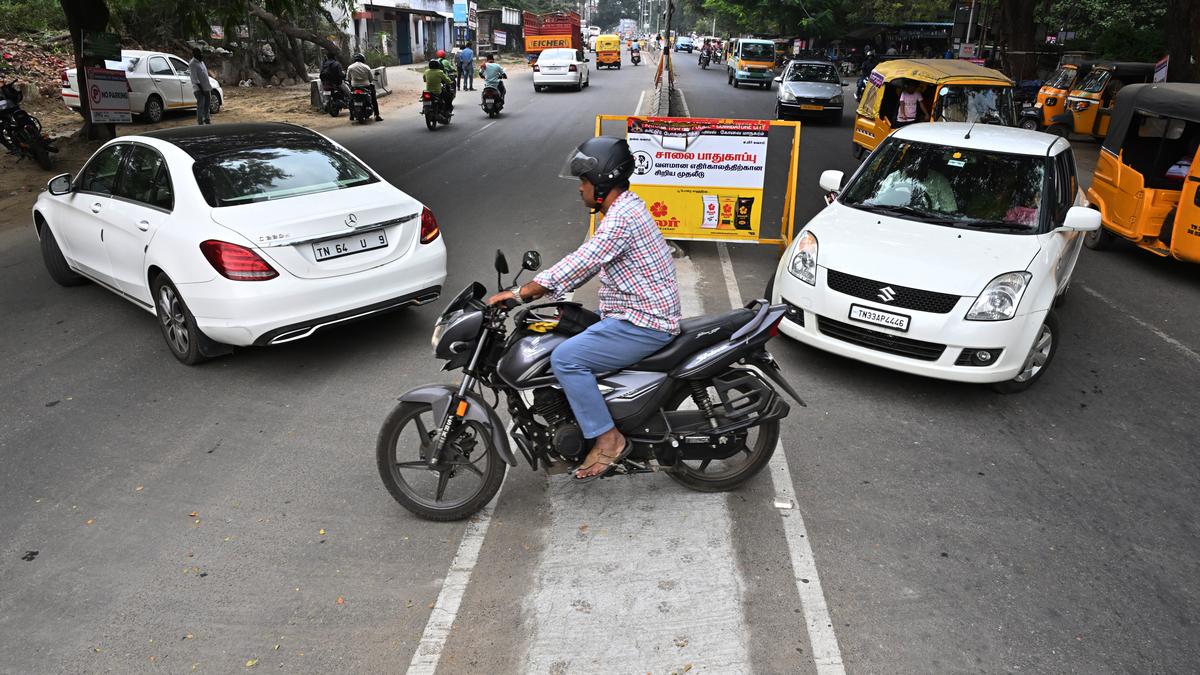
x=410 y=31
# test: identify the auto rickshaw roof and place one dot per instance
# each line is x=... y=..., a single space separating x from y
x=938 y=70
x=1125 y=68
x=1175 y=100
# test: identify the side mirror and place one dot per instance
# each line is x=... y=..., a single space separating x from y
x=831 y=180
x=501 y=262
x=60 y=184
x=779 y=80
x=1081 y=219
x=532 y=261
x=845 y=83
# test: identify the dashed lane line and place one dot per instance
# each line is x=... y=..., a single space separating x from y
x=1187 y=351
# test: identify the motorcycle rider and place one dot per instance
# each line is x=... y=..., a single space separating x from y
x=437 y=82
x=449 y=66
x=360 y=75
x=333 y=77
x=492 y=73
x=705 y=50
x=639 y=294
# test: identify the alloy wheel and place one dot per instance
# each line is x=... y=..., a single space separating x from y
x=1039 y=354
x=174 y=320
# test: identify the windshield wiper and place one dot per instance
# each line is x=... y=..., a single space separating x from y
x=907 y=212
x=995 y=225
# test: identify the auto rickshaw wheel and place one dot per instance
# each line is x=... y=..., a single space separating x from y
x=1028 y=123
x=1059 y=130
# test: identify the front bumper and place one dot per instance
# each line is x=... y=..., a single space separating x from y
x=286 y=308
x=808 y=107
x=753 y=76
x=932 y=345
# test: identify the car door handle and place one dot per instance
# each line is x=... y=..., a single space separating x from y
x=143 y=225
x=96 y=207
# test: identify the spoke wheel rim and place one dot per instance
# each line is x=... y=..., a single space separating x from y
x=173 y=318
x=429 y=487
x=1038 y=355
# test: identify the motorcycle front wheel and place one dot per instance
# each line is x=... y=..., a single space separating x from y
x=721 y=475
x=465 y=480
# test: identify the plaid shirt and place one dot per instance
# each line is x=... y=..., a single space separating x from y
x=637 y=275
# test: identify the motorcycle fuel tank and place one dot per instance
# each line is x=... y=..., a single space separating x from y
x=527 y=363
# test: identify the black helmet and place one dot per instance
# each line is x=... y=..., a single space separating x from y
x=604 y=161
x=359 y=57
x=434 y=64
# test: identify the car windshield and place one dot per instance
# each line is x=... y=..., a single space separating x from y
x=956 y=187
x=250 y=175
x=752 y=51
x=1061 y=79
x=1095 y=81
x=813 y=72
x=972 y=103
x=557 y=55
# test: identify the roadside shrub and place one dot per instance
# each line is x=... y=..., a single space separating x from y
x=19 y=18
x=377 y=58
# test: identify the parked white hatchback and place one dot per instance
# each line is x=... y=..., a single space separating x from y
x=239 y=234
x=944 y=255
x=157 y=82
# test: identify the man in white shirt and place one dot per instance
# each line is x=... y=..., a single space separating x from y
x=360 y=75
x=201 y=86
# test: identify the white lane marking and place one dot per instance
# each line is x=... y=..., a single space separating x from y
x=445 y=609
x=481 y=129
x=638 y=110
x=640 y=570
x=1187 y=351
x=827 y=656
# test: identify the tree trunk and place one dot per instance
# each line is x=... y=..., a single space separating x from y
x=1014 y=22
x=279 y=25
x=1183 y=40
x=87 y=15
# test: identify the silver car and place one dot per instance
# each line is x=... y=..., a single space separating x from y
x=809 y=88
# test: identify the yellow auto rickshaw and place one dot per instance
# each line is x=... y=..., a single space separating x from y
x=1146 y=180
x=1090 y=104
x=1052 y=97
x=608 y=51
x=952 y=91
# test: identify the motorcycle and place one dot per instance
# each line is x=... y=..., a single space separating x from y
x=361 y=109
x=335 y=100
x=635 y=56
x=20 y=132
x=435 y=110
x=703 y=407
x=704 y=60
x=491 y=101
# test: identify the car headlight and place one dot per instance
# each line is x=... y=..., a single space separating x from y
x=836 y=100
x=786 y=95
x=804 y=261
x=999 y=300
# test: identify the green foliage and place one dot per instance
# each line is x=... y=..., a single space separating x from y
x=1124 y=42
x=19 y=18
x=894 y=11
x=377 y=58
x=1117 y=29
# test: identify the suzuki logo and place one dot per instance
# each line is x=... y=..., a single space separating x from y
x=351 y=221
x=886 y=294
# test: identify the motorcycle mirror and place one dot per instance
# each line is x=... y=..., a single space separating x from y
x=501 y=262
x=532 y=261
x=60 y=184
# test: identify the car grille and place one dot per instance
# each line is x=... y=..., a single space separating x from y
x=800 y=100
x=903 y=296
x=881 y=342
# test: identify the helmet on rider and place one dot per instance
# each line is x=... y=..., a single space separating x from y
x=603 y=161
x=441 y=53
x=434 y=64
x=359 y=57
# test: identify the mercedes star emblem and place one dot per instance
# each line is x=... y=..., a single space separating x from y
x=351 y=221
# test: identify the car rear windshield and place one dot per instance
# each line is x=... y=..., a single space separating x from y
x=248 y=175
x=557 y=55
x=957 y=187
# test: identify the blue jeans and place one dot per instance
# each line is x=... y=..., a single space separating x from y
x=202 y=106
x=611 y=344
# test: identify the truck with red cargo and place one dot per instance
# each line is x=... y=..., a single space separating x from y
x=552 y=30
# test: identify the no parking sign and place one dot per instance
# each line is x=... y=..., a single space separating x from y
x=108 y=96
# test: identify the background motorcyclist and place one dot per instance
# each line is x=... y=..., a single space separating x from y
x=360 y=75
x=705 y=50
x=437 y=82
x=492 y=74
x=333 y=77
x=449 y=67
x=639 y=294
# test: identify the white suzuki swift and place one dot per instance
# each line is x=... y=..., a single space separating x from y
x=239 y=234
x=944 y=256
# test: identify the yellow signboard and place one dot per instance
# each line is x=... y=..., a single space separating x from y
x=536 y=43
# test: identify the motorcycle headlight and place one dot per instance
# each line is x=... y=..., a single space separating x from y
x=804 y=261
x=786 y=95
x=439 y=329
x=999 y=300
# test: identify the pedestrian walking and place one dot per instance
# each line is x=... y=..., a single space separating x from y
x=466 y=67
x=201 y=86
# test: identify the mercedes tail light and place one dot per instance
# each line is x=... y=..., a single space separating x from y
x=429 y=226
x=236 y=262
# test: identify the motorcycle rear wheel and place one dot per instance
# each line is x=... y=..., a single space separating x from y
x=404 y=439
x=431 y=122
x=722 y=475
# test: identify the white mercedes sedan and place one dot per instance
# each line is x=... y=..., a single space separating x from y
x=239 y=234
x=944 y=255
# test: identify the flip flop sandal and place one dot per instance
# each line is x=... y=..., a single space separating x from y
x=608 y=465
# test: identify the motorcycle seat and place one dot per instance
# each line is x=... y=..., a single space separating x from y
x=695 y=334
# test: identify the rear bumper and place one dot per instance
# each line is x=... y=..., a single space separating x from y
x=303 y=329
x=567 y=79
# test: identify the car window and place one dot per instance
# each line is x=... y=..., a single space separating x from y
x=100 y=174
x=957 y=187
x=273 y=172
x=1066 y=186
x=145 y=179
x=753 y=51
x=159 y=66
x=181 y=68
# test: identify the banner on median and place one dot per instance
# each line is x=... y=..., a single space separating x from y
x=701 y=178
x=108 y=96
